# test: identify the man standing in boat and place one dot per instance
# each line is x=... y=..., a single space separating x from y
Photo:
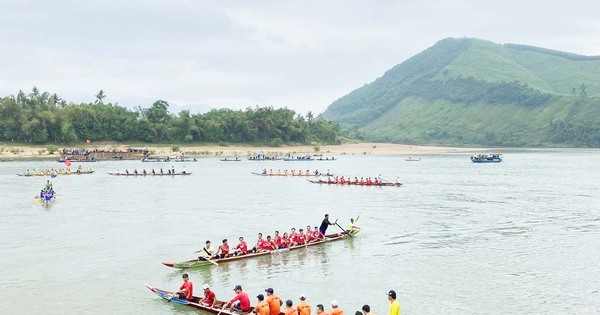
x=186 y=290
x=325 y=224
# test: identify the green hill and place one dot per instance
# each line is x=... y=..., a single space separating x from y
x=471 y=91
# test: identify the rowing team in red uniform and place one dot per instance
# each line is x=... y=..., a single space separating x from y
x=356 y=181
x=262 y=245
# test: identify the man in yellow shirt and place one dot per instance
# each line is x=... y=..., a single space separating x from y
x=394 y=305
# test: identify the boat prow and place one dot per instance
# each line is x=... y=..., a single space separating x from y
x=168 y=264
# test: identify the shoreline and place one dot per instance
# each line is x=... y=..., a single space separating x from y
x=20 y=152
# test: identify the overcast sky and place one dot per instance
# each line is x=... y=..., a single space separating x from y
x=299 y=54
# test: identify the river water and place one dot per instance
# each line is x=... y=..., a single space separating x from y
x=521 y=237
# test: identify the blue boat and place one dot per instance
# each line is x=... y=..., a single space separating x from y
x=486 y=158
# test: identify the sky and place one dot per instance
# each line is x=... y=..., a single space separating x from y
x=214 y=54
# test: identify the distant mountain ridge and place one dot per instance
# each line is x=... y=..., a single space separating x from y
x=473 y=91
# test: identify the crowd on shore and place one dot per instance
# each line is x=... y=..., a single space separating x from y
x=271 y=304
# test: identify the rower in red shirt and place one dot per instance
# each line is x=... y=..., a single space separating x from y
x=244 y=301
x=269 y=244
x=293 y=236
x=223 y=250
x=277 y=239
x=241 y=248
x=309 y=234
x=318 y=235
x=186 y=290
x=301 y=237
x=260 y=244
x=285 y=241
x=209 y=296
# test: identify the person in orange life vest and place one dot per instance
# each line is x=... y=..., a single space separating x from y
x=303 y=307
x=335 y=308
x=209 y=296
x=241 y=248
x=277 y=239
x=223 y=250
x=274 y=302
x=289 y=310
x=186 y=290
x=285 y=241
x=262 y=308
x=260 y=244
x=244 y=301
x=321 y=310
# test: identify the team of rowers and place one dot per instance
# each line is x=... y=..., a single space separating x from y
x=60 y=171
x=143 y=172
x=47 y=193
x=277 y=242
x=294 y=173
x=271 y=304
x=362 y=181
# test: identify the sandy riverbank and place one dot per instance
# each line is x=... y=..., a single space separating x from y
x=18 y=152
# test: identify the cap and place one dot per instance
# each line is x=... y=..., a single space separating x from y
x=237 y=287
x=205 y=286
x=303 y=296
x=269 y=290
x=334 y=303
x=392 y=294
x=260 y=297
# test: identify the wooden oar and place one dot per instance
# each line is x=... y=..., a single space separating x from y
x=208 y=258
x=224 y=305
x=343 y=230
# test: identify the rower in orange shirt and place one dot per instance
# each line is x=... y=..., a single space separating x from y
x=335 y=308
x=303 y=306
x=320 y=310
x=274 y=302
x=262 y=308
x=289 y=310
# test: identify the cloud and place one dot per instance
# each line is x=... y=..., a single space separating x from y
x=302 y=54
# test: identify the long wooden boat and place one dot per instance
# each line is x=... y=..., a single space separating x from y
x=299 y=158
x=149 y=174
x=236 y=159
x=196 y=303
x=486 y=158
x=54 y=174
x=198 y=263
x=290 y=174
x=320 y=181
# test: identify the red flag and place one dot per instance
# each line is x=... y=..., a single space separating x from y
x=68 y=163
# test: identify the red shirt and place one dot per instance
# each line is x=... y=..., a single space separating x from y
x=224 y=249
x=209 y=298
x=189 y=289
x=244 y=300
x=260 y=244
x=285 y=242
x=278 y=240
x=309 y=236
x=243 y=247
x=319 y=235
x=300 y=238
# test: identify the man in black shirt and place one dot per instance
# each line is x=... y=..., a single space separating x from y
x=325 y=224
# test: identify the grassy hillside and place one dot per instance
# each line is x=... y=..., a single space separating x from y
x=470 y=91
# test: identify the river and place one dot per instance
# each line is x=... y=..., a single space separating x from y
x=521 y=236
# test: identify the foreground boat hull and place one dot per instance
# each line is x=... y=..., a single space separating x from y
x=195 y=302
x=198 y=263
